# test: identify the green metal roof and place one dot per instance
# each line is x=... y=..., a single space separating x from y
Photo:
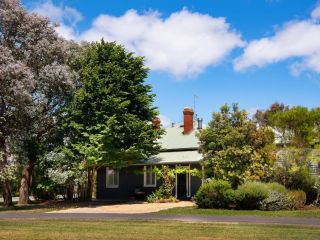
x=177 y=148
x=175 y=139
x=180 y=157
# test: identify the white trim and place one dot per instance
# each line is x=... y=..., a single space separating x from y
x=145 y=177
x=112 y=185
x=188 y=183
x=176 y=183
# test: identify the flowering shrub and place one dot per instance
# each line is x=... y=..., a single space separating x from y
x=276 y=201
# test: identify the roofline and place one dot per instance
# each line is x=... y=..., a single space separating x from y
x=179 y=149
x=171 y=163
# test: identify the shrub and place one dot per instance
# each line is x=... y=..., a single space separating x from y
x=276 y=201
x=250 y=195
x=277 y=187
x=298 y=199
x=214 y=194
x=154 y=196
x=162 y=194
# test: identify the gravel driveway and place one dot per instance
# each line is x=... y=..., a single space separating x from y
x=128 y=208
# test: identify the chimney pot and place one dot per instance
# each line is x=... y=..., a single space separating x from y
x=187 y=120
x=200 y=123
x=156 y=122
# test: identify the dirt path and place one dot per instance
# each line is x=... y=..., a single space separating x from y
x=128 y=208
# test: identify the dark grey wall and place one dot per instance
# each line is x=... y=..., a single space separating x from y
x=129 y=180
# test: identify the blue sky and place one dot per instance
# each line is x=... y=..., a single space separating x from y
x=253 y=52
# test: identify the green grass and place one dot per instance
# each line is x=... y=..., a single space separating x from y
x=93 y=229
x=312 y=213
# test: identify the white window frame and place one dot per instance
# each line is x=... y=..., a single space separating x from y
x=145 y=177
x=108 y=185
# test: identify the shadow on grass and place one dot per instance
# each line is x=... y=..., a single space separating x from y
x=54 y=205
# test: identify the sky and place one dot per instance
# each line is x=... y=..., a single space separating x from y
x=205 y=53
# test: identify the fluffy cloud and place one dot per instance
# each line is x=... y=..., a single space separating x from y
x=316 y=13
x=66 y=16
x=295 y=39
x=183 y=44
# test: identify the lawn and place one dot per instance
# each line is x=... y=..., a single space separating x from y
x=91 y=229
x=308 y=213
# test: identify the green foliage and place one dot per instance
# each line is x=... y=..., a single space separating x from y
x=276 y=201
x=251 y=194
x=297 y=126
x=109 y=119
x=162 y=194
x=316 y=189
x=235 y=149
x=168 y=176
x=273 y=186
x=298 y=198
x=214 y=194
x=293 y=172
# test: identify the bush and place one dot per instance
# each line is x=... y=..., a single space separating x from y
x=154 y=196
x=250 y=195
x=276 y=201
x=214 y=194
x=277 y=187
x=298 y=199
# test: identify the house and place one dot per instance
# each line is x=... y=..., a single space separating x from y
x=179 y=148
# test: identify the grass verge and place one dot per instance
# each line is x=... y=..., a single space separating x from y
x=306 y=213
x=21 y=229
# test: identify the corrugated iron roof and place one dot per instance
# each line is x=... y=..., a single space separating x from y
x=177 y=147
x=179 y=157
x=175 y=139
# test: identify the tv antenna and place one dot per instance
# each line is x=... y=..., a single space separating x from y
x=195 y=97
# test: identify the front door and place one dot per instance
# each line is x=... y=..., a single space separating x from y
x=183 y=185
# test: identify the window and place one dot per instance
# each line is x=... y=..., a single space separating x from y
x=149 y=177
x=112 y=178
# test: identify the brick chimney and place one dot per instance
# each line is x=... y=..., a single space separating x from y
x=187 y=120
x=156 y=122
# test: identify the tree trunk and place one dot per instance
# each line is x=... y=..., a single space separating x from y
x=7 y=196
x=70 y=190
x=90 y=183
x=25 y=183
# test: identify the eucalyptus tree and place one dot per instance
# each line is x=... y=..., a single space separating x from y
x=16 y=84
x=36 y=51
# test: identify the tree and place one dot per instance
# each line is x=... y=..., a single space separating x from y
x=296 y=125
x=109 y=120
x=234 y=148
x=16 y=83
x=37 y=51
x=263 y=118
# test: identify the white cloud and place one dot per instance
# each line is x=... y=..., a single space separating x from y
x=183 y=44
x=295 y=39
x=165 y=121
x=66 y=16
x=316 y=13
